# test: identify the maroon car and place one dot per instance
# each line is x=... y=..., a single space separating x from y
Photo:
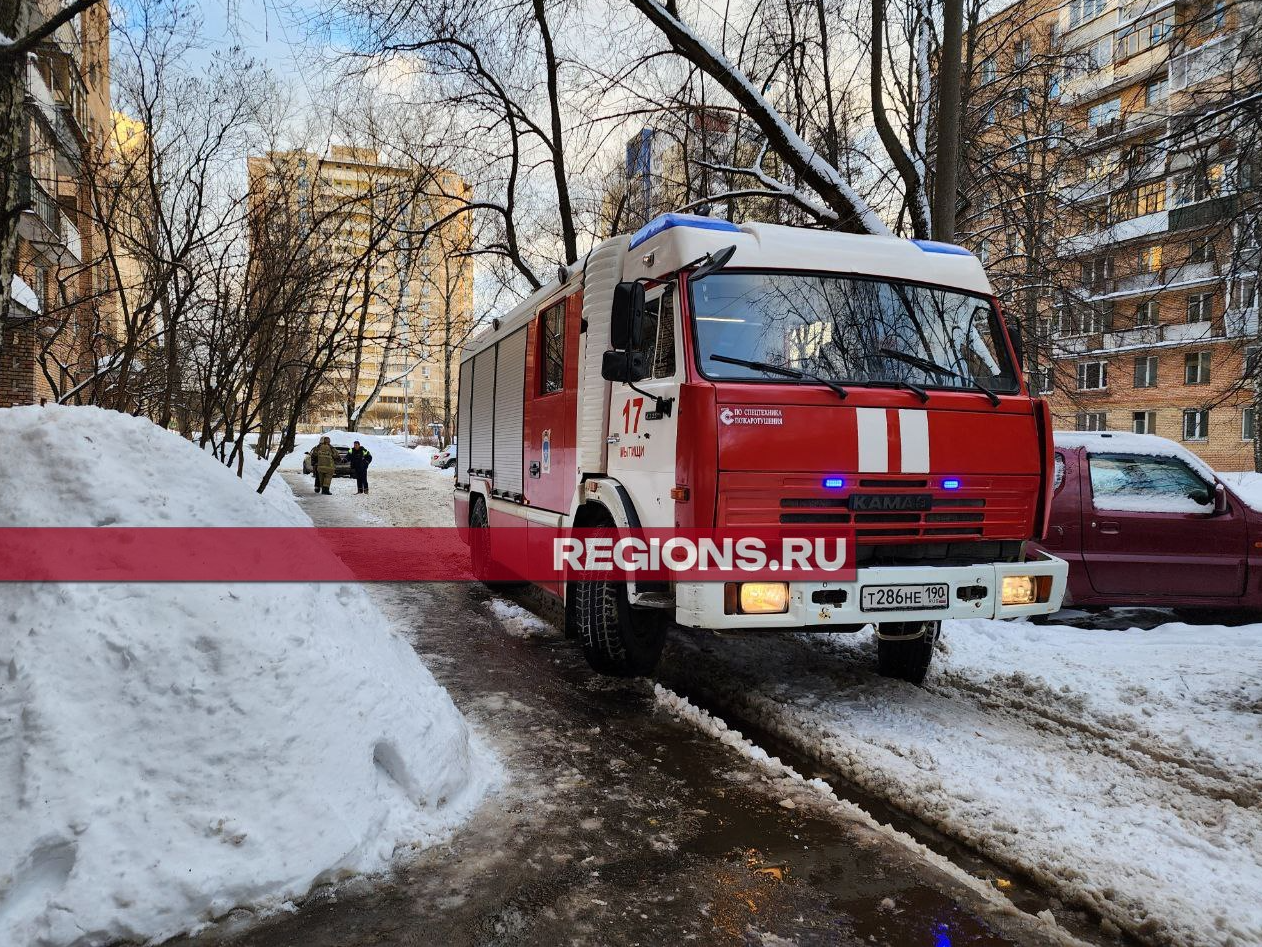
x=1142 y=521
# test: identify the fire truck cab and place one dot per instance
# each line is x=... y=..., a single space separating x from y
x=701 y=373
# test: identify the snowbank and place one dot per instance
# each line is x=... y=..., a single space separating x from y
x=168 y=752
x=388 y=453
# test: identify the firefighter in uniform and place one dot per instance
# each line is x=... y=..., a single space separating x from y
x=323 y=462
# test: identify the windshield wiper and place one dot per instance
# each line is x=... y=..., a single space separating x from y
x=929 y=366
x=777 y=370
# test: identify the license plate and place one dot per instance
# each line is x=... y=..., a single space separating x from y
x=898 y=598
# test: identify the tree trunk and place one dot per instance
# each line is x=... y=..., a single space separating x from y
x=947 y=166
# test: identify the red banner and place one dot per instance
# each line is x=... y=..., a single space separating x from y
x=423 y=554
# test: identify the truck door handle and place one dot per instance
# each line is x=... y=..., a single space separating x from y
x=534 y=469
x=1110 y=528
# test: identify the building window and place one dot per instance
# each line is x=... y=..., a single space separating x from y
x=1093 y=376
x=1021 y=53
x=1144 y=422
x=1202 y=250
x=1098 y=318
x=1160 y=30
x=1021 y=101
x=1146 y=371
x=1244 y=293
x=1149 y=259
x=1200 y=307
x=1250 y=367
x=1196 y=368
x=552 y=346
x=1080 y=11
x=1199 y=185
x=989 y=71
x=1104 y=112
x=1156 y=91
x=1150 y=198
x=1246 y=424
x=1195 y=424
x=1096 y=272
x=1041 y=381
x=1147 y=313
x=1090 y=421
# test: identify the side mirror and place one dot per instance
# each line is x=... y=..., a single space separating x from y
x=1220 y=499
x=626 y=323
x=625 y=366
x=713 y=263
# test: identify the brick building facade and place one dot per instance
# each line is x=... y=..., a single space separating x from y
x=1139 y=294
x=47 y=338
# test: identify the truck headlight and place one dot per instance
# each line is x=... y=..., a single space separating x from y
x=756 y=598
x=1025 y=589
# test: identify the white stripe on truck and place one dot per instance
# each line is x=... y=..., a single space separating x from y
x=874 y=455
x=913 y=429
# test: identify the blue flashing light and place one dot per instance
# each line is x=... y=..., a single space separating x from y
x=951 y=484
x=936 y=246
x=664 y=222
x=834 y=483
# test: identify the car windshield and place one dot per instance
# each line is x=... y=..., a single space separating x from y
x=848 y=329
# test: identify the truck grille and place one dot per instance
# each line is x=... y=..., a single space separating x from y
x=987 y=507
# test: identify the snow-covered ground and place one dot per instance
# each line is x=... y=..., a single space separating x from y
x=1121 y=769
x=170 y=752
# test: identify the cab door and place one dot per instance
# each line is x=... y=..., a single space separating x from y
x=643 y=423
x=550 y=457
x=1150 y=531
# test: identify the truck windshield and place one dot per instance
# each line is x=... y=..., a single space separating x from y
x=849 y=329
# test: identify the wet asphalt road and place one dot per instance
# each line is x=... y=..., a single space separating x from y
x=618 y=825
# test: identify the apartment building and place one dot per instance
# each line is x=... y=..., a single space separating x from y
x=1136 y=277
x=50 y=329
x=404 y=304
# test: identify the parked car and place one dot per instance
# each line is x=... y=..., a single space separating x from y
x=445 y=458
x=1143 y=521
x=341 y=466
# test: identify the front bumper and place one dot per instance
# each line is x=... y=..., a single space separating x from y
x=700 y=604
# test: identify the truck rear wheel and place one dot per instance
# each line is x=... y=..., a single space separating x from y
x=617 y=640
x=905 y=649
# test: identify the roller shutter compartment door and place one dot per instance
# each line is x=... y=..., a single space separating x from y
x=482 y=412
x=510 y=393
x=463 y=402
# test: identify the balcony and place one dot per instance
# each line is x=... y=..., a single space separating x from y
x=1205 y=213
x=42 y=207
x=1130 y=229
x=71 y=239
x=1169 y=334
x=1241 y=323
x=1208 y=61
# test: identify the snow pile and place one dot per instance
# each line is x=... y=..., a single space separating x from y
x=168 y=752
x=520 y=622
x=1119 y=769
x=1247 y=486
x=388 y=453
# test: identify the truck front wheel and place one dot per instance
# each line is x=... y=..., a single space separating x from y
x=905 y=649
x=618 y=640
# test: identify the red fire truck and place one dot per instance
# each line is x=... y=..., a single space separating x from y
x=701 y=373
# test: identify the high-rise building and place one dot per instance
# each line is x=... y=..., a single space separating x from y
x=49 y=332
x=399 y=281
x=1111 y=185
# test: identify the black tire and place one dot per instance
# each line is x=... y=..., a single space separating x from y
x=618 y=640
x=907 y=658
x=480 y=540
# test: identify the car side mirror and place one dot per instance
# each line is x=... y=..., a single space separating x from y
x=1220 y=499
x=629 y=366
x=626 y=324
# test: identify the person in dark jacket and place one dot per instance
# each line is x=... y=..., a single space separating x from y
x=361 y=457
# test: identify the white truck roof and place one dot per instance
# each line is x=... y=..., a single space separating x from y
x=671 y=241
